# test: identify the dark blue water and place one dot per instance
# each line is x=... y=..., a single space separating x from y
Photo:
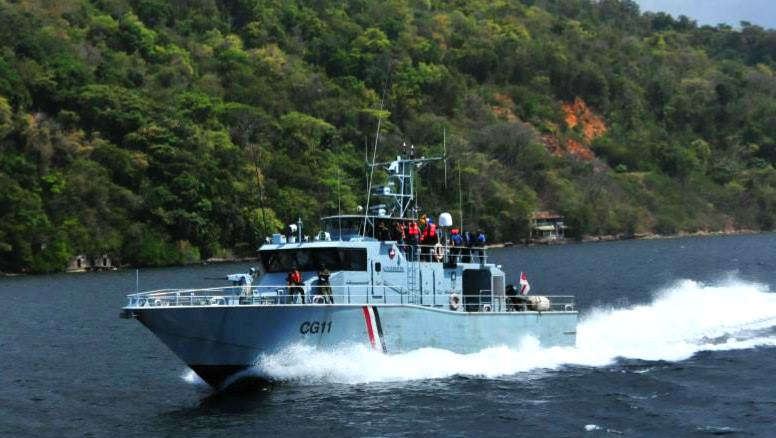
x=657 y=356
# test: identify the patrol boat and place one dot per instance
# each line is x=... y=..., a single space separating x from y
x=387 y=294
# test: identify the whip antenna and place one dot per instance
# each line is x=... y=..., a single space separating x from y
x=259 y=185
x=460 y=196
x=374 y=157
x=444 y=146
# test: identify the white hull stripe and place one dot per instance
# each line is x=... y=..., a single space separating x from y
x=373 y=328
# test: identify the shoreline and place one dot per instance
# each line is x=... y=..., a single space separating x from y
x=584 y=239
x=621 y=237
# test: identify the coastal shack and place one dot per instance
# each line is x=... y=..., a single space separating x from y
x=83 y=263
x=102 y=262
x=547 y=226
x=79 y=263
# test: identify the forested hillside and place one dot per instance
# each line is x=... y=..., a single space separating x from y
x=156 y=131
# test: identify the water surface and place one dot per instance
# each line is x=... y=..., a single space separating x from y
x=676 y=339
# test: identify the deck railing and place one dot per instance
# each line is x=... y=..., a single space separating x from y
x=316 y=295
x=443 y=253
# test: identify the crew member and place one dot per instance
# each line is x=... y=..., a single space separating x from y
x=429 y=239
x=457 y=243
x=468 y=241
x=294 y=283
x=515 y=302
x=398 y=232
x=324 y=285
x=248 y=281
x=481 y=245
x=382 y=231
x=414 y=236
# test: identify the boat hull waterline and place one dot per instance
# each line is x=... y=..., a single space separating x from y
x=218 y=342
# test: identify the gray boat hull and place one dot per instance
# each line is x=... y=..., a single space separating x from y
x=219 y=341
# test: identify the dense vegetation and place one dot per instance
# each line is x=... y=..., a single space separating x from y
x=164 y=132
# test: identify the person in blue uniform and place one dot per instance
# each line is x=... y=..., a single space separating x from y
x=457 y=243
x=480 y=244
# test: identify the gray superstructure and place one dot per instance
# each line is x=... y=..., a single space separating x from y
x=390 y=295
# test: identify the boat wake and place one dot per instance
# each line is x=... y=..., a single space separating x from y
x=682 y=320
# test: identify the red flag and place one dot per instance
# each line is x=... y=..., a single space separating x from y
x=524 y=286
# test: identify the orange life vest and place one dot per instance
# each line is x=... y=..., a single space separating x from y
x=429 y=232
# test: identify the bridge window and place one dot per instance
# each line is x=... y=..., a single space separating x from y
x=335 y=259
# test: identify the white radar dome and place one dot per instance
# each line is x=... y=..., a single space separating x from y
x=445 y=220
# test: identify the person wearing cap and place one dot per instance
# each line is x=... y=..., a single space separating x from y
x=457 y=243
x=428 y=239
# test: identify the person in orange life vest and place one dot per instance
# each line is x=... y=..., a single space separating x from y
x=294 y=282
x=432 y=237
x=414 y=236
x=429 y=238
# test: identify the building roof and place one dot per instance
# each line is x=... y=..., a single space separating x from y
x=545 y=215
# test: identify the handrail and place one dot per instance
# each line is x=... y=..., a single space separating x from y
x=427 y=253
x=316 y=295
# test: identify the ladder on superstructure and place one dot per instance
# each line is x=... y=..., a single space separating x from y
x=413 y=268
x=399 y=194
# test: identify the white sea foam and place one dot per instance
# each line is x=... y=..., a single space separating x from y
x=681 y=320
x=191 y=377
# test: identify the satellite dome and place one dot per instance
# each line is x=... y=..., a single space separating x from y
x=445 y=220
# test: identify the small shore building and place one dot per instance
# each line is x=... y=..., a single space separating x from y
x=83 y=263
x=547 y=226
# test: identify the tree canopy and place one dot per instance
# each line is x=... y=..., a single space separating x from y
x=168 y=132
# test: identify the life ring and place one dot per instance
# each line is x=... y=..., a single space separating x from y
x=319 y=299
x=439 y=252
x=486 y=308
x=455 y=301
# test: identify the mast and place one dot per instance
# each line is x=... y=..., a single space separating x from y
x=372 y=167
x=400 y=191
x=460 y=198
